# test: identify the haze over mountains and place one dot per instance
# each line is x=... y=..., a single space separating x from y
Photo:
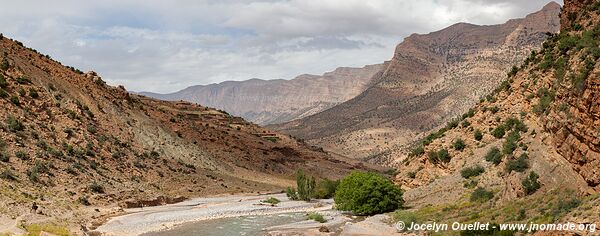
x=278 y=101
x=431 y=79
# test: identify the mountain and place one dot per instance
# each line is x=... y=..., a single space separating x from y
x=431 y=79
x=530 y=151
x=80 y=150
x=278 y=101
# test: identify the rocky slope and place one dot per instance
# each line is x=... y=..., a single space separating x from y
x=78 y=149
x=278 y=101
x=431 y=79
x=542 y=121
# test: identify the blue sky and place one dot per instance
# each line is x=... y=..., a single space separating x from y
x=164 y=46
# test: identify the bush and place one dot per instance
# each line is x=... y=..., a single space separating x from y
x=14 y=125
x=531 y=183
x=546 y=98
x=3 y=93
x=4 y=157
x=407 y=217
x=3 y=83
x=440 y=156
x=291 y=194
x=8 y=175
x=471 y=171
x=367 y=193
x=15 y=100
x=417 y=151
x=458 y=144
x=478 y=135
x=306 y=185
x=273 y=201
x=316 y=217
x=22 y=155
x=4 y=65
x=481 y=195
x=519 y=165
x=96 y=188
x=326 y=189
x=23 y=80
x=510 y=144
x=33 y=93
x=494 y=156
x=499 y=131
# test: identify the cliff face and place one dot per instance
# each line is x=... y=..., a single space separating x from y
x=431 y=79
x=542 y=122
x=278 y=101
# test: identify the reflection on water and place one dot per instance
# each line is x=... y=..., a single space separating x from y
x=245 y=225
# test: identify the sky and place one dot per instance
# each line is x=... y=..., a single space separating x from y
x=165 y=46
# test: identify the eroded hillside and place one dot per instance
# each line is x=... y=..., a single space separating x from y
x=534 y=139
x=431 y=79
x=79 y=149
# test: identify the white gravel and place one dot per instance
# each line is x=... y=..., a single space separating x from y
x=149 y=219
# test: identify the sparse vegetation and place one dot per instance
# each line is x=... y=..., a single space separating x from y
x=477 y=135
x=316 y=217
x=273 y=201
x=471 y=171
x=367 y=193
x=481 y=195
x=440 y=156
x=33 y=93
x=510 y=144
x=292 y=194
x=14 y=124
x=546 y=98
x=531 y=183
x=406 y=217
x=306 y=185
x=7 y=174
x=96 y=187
x=499 y=131
x=326 y=189
x=22 y=155
x=15 y=100
x=458 y=144
x=494 y=156
x=518 y=165
x=417 y=151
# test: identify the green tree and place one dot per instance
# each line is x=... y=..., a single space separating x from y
x=531 y=183
x=306 y=185
x=367 y=193
x=478 y=135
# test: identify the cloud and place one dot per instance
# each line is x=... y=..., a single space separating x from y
x=163 y=46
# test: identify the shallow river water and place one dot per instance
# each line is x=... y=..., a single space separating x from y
x=246 y=225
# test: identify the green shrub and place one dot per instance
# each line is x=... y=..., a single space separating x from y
x=4 y=65
x=7 y=174
x=326 y=189
x=273 y=201
x=291 y=194
x=23 y=80
x=546 y=98
x=33 y=93
x=510 y=144
x=499 y=131
x=481 y=195
x=494 y=109
x=471 y=171
x=519 y=165
x=14 y=124
x=407 y=217
x=458 y=144
x=478 y=135
x=494 y=156
x=417 y=151
x=367 y=193
x=3 y=93
x=15 y=100
x=316 y=217
x=3 y=83
x=531 y=183
x=96 y=188
x=469 y=114
x=306 y=185
x=84 y=200
x=440 y=156
x=22 y=155
x=4 y=157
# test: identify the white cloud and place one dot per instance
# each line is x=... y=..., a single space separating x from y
x=164 y=46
